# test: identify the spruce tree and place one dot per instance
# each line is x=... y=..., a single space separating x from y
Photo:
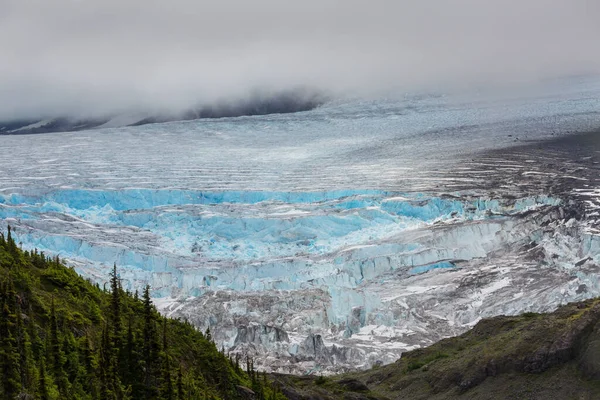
x=9 y=352
x=115 y=306
x=167 y=383
x=180 y=391
x=118 y=353
x=37 y=347
x=104 y=367
x=71 y=366
x=12 y=246
x=134 y=375
x=43 y=385
x=25 y=353
x=57 y=354
x=151 y=346
x=90 y=366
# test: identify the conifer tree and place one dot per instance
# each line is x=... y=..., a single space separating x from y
x=90 y=366
x=151 y=347
x=37 y=346
x=71 y=366
x=57 y=355
x=43 y=385
x=9 y=353
x=12 y=246
x=167 y=383
x=132 y=376
x=180 y=391
x=104 y=367
x=115 y=306
x=25 y=353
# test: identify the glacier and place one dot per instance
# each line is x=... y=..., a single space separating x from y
x=244 y=240
x=335 y=238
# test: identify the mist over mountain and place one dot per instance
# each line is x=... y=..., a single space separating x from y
x=258 y=103
x=98 y=58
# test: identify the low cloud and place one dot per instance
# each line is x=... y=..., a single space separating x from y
x=84 y=57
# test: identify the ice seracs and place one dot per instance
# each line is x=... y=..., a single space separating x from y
x=330 y=239
x=303 y=281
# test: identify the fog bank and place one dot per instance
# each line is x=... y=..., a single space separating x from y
x=76 y=57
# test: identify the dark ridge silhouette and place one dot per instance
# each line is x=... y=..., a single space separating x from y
x=16 y=124
x=257 y=104
x=284 y=102
x=48 y=125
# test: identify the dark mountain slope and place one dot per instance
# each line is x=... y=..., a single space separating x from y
x=283 y=102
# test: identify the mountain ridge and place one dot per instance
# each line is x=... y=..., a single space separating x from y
x=283 y=102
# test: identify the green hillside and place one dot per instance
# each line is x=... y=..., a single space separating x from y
x=62 y=337
x=531 y=356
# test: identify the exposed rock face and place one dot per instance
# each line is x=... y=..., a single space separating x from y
x=589 y=355
x=356 y=320
x=260 y=335
x=313 y=348
x=246 y=393
x=353 y=385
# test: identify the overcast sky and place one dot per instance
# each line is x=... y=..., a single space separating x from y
x=82 y=56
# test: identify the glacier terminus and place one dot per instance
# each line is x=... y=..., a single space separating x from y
x=334 y=238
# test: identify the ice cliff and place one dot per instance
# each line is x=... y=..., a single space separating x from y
x=303 y=280
x=330 y=239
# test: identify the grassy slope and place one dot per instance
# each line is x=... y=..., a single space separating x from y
x=532 y=356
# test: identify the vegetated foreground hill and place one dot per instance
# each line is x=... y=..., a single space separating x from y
x=532 y=356
x=63 y=338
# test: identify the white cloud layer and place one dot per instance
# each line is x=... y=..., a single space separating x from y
x=97 y=56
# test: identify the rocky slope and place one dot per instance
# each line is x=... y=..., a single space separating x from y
x=533 y=356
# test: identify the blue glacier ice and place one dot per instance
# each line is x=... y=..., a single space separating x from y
x=425 y=268
x=346 y=215
x=186 y=242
